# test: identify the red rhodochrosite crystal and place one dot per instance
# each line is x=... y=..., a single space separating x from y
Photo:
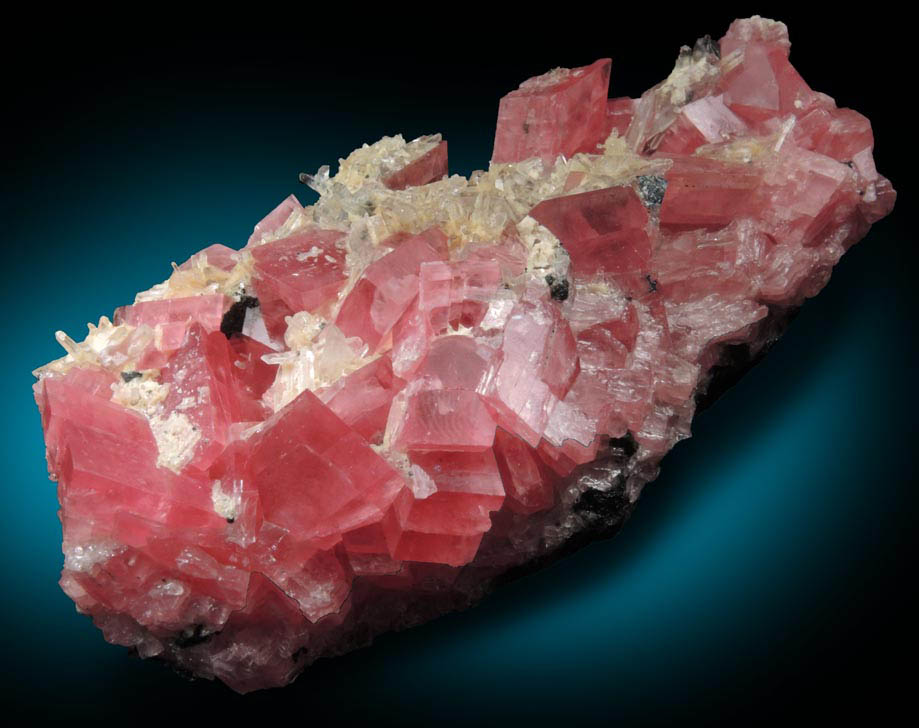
x=561 y=112
x=389 y=399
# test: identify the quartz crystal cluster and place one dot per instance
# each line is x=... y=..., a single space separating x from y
x=388 y=401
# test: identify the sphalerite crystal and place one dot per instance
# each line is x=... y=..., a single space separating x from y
x=390 y=400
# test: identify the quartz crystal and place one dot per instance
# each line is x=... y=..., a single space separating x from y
x=389 y=401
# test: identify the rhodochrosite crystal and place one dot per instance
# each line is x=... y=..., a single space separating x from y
x=390 y=400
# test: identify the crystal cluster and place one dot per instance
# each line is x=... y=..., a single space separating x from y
x=390 y=400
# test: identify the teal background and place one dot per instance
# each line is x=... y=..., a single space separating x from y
x=765 y=574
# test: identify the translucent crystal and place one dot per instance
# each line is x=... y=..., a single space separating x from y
x=383 y=402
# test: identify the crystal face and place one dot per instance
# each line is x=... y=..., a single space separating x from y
x=389 y=400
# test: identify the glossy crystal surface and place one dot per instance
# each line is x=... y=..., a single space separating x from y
x=386 y=401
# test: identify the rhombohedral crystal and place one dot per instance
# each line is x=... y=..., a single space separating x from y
x=389 y=401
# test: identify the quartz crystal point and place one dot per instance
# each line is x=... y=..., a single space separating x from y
x=390 y=400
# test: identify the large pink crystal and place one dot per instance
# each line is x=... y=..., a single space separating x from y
x=386 y=401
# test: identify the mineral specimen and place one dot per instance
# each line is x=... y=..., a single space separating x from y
x=390 y=400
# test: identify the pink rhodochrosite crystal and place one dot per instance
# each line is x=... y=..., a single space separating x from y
x=387 y=401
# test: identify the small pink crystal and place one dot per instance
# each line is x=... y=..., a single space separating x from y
x=561 y=112
x=388 y=400
x=301 y=272
x=604 y=231
x=206 y=309
x=708 y=193
x=363 y=398
x=274 y=220
x=429 y=167
x=388 y=286
x=444 y=520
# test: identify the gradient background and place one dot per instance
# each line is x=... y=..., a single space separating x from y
x=765 y=574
